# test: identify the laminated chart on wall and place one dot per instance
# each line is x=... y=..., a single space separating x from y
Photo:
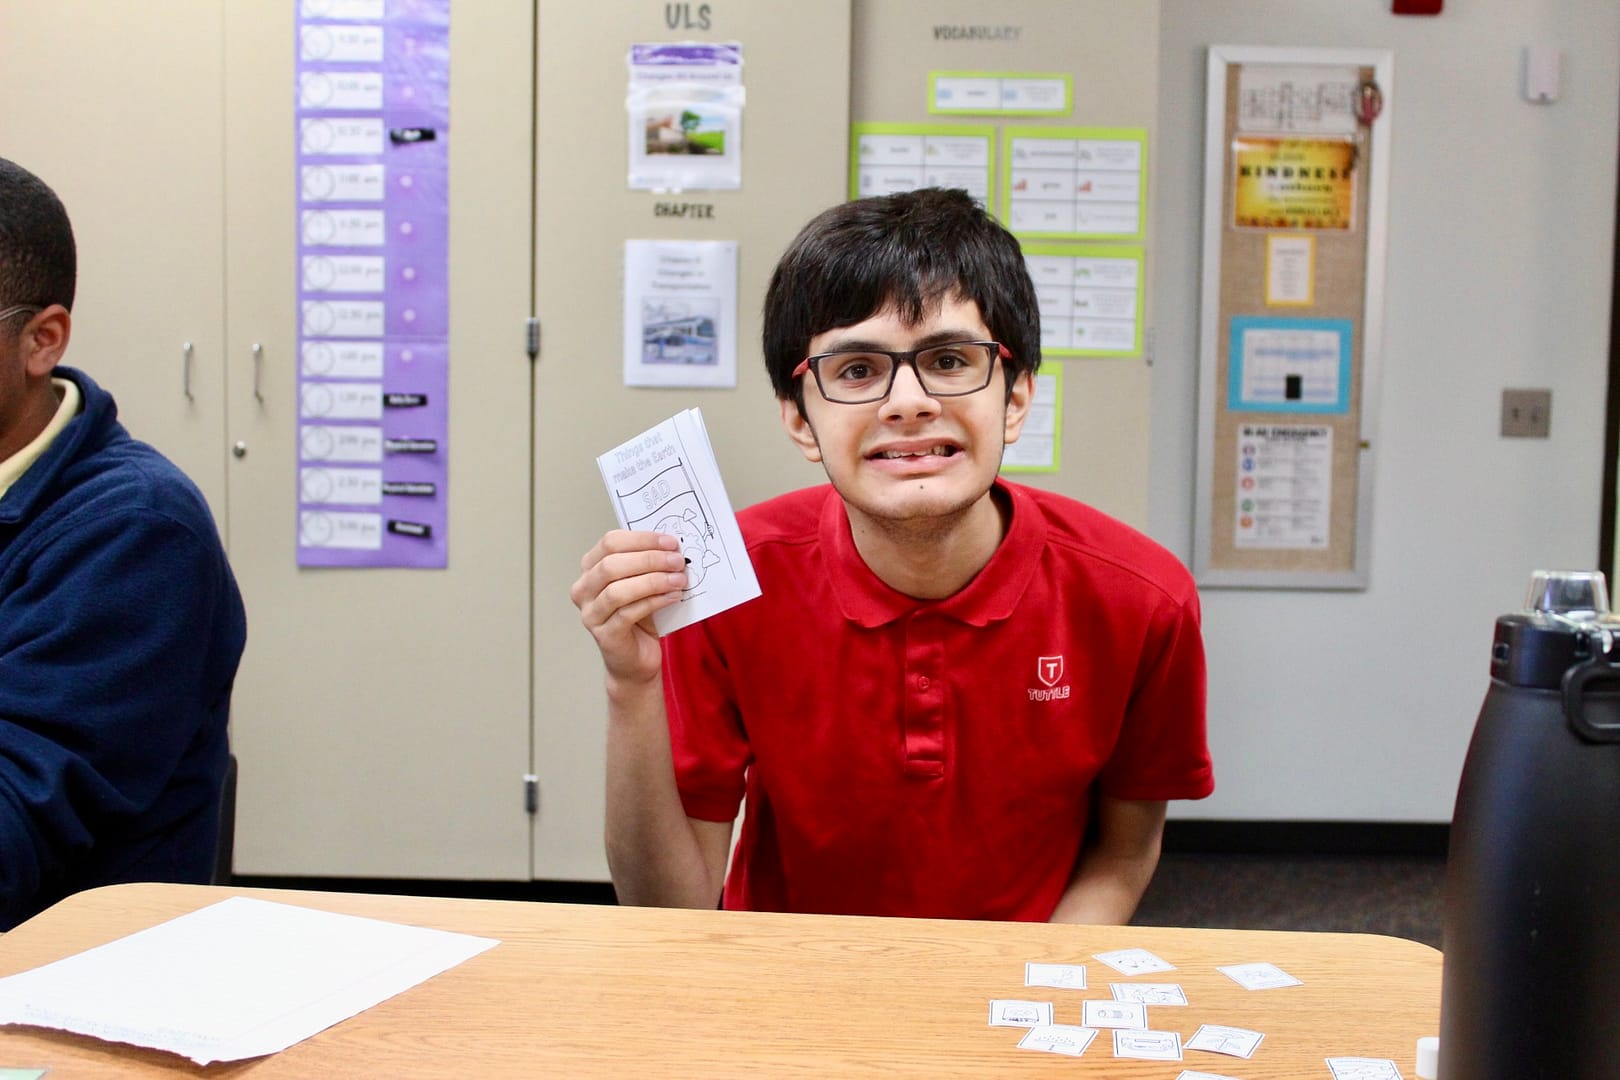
x=885 y=159
x=372 y=137
x=1090 y=297
x=1000 y=93
x=1040 y=442
x=1074 y=183
x=680 y=313
x=684 y=105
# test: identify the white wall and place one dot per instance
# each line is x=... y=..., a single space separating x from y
x=1359 y=706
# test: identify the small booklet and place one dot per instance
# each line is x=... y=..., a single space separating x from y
x=666 y=480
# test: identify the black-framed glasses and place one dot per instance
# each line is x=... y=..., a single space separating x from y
x=20 y=309
x=859 y=376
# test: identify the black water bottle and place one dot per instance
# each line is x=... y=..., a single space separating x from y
x=1531 y=983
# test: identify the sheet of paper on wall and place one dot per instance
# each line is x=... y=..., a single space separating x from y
x=666 y=480
x=685 y=102
x=238 y=979
x=680 y=313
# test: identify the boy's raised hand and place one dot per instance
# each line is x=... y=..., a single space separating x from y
x=624 y=579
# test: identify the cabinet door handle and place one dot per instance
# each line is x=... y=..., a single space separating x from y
x=185 y=371
x=258 y=364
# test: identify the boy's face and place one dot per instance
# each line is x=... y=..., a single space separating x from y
x=910 y=457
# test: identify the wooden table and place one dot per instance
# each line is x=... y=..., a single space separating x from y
x=603 y=991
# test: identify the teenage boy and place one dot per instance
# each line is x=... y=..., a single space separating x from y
x=120 y=623
x=956 y=696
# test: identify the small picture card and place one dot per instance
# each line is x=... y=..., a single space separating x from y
x=1215 y=1039
x=1149 y=993
x=1060 y=976
x=1259 y=976
x=1070 y=1039
x=1149 y=1045
x=1114 y=1014
x=1189 y=1074
x=1134 y=962
x=1360 y=1068
x=1006 y=1012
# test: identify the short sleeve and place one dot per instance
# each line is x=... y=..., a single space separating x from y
x=1163 y=750
x=707 y=737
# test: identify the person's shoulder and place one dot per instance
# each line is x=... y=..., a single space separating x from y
x=1078 y=531
x=791 y=518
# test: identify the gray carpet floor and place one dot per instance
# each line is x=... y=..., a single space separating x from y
x=1398 y=895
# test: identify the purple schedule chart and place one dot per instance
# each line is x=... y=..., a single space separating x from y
x=372 y=87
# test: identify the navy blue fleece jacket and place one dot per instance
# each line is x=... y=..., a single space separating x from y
x=120 y=631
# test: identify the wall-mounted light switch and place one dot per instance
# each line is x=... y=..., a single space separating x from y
x=1526 y=414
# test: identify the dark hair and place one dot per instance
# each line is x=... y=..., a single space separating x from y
x=38 y=264
x=910 y=251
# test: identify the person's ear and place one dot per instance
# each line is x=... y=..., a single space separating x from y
x=799 y=429
x=1018 y=403
x=44 y=339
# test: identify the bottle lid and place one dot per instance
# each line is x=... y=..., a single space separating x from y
x=1578 y=595
x=1428 y=1057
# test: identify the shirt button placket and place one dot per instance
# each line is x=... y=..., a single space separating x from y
x=924 y=719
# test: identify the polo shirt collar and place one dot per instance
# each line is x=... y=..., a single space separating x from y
x=991 y=596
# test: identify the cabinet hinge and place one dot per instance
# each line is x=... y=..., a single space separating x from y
x=531 y=338
x=531 y=793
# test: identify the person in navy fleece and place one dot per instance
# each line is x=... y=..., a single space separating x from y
x=120 y=622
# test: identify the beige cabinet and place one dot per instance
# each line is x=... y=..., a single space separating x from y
x=385 y=720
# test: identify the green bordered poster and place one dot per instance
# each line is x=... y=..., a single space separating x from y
x=1039 y=448
x=999 y=93
x=1074 y=183
x=888 y=158
x=1090 y=297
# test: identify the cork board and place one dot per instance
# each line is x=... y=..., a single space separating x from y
x=1296 y=182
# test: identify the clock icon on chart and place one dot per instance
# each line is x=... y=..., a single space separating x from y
x=320 y=273
x=319 y=359
x=317 y=443
x=315 y=528
x=316 y=42
x=319 y=318
x=315 y=89
x=317 y=400
x=319 y=183
x=318 y=136
x=316 y=485
x=319 y=227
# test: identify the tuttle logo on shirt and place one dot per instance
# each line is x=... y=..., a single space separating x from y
x=1049 y=670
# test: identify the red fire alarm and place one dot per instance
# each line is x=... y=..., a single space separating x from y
x=1417 y=7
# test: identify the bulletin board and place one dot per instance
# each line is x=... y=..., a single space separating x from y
x=1296 y=164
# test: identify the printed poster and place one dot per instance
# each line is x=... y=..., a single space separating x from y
x=680 y=313
x=1283 y=183
x=1284 y=486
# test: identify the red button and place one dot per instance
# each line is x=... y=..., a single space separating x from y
x=922 y=682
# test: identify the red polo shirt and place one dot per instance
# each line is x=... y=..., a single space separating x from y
x=935 y=758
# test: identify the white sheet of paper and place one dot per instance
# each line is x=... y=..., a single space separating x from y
x=1360 y=1068
x=1148 y=1045
x=1218 y=1039
x=1134 y=962
x=1149 y=993
x=1070 y=1039
x=1010 y=1012
x=666 y=480
x=1061 y=976
x=1260 y=976
x=1114 y=1014
x=680 y=313
x=237 y=979
x=1189 y=1074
